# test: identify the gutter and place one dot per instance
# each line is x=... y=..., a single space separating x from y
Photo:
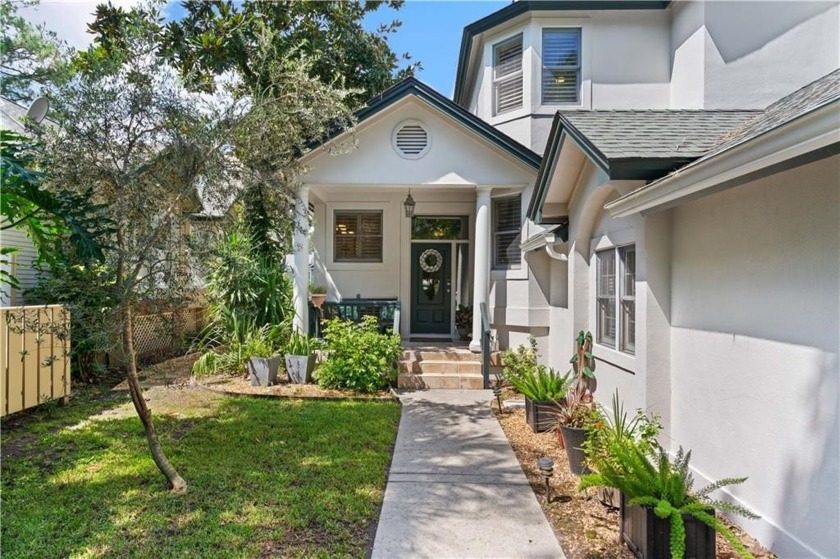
x=809 y=137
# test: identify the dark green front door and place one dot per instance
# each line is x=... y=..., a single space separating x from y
x=431 y=298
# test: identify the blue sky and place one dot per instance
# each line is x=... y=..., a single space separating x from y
x=431 y=33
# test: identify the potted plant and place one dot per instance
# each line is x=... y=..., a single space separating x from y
x=463 y=322
x=579 y=412
x=661 y=517
x=544 y=390
x=262 y=362
x=300 y=359
x=618 y=426
x=317 y=295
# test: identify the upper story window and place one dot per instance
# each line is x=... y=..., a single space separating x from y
x=507 y=232
x=561 y=66
x=507 y=75
x=616 y=298
x=358 y=236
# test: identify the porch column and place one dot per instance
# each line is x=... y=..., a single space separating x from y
x=300 y=293
x=481 y=271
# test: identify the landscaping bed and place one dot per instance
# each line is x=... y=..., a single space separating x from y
x=585 y=527
x=284 y=389
x=267 y=477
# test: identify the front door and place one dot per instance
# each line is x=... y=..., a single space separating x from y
x=431 y=299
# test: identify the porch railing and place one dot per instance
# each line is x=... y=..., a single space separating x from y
x=485 y=344
x=387 y=311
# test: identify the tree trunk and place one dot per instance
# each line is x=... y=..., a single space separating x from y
x=176 y=482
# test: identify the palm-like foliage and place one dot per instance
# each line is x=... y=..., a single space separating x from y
x=653 y=479
x=542 y=385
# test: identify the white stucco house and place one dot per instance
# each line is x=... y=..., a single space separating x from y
x=663 y=174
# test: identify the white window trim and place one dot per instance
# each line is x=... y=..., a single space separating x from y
x=581 y=23
x=331 y=208
x=520 y=273
x=579 y=66
x=495 y=81
x=612 y=240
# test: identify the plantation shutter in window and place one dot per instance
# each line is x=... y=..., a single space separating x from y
x=358 y=236
x=606 y=287
x=507 y=75
x=507 y=229
x=561 y=66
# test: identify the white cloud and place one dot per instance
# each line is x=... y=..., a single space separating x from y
x=69 y=18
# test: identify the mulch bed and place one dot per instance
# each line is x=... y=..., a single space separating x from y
x=238 y=385
x=586 y=528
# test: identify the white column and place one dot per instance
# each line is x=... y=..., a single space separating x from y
x=300 y=293
x=481 y=267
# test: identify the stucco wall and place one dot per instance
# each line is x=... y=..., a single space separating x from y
x=740 y=55
x=754 y=348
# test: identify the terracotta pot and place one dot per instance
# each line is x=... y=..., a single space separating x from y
x=317 y=299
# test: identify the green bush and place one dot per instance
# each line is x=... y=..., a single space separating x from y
x=542 y=384
x=358 y=357
x=521 y=362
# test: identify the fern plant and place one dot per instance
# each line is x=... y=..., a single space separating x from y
x=542 y=384
x=652 y=479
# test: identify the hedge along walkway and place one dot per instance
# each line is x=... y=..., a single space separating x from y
x=456 y=489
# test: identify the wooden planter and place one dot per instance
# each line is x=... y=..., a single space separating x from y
x=649 y=537
x=541 y=416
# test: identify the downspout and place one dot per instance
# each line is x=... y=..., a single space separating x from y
x=551 y=251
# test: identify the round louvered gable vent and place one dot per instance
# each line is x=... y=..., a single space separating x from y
x=411 y=139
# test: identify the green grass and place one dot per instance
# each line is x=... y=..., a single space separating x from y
x=266 y=477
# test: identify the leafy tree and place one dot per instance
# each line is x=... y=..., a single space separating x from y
x=131 y=130
x=29 y=54
x=50 y=218
x=221 y=36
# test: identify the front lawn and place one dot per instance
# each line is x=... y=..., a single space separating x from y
x=266 y=478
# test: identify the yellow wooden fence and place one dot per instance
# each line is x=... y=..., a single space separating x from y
x=35 y=353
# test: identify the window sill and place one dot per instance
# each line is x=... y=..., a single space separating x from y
x=621 y=360
x=519 y=274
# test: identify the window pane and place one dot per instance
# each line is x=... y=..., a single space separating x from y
x=449 y=228
x=358 y=236
x=560 y=86
x=561 y=66
x=507 y=228
x=605 y=289
x=507 y=75
x=627 y=254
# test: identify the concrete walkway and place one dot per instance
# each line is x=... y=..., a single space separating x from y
x=456 y=488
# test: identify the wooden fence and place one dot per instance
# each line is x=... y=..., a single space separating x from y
x=35 y=353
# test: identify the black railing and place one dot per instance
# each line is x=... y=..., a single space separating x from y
x=485 y=344
x=387 y=312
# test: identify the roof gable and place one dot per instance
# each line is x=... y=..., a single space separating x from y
x=413 y=87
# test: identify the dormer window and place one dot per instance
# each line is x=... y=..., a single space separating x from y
x=507 y=75
x=561 y=66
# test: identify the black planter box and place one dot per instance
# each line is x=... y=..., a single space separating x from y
x=541 y=416
x=649 y=537
x=573 y=439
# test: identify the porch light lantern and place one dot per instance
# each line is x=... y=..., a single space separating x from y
x=409 y=205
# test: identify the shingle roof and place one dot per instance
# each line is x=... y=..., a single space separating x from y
x=802 y=101
x=655 y=134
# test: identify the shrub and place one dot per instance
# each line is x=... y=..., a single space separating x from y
x=358 y=357
x=248 y=342
x=649 y=478
x=520 y=363
x=542 y=384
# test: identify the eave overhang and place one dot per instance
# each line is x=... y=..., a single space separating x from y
x=522 y=7
x=617 y=168
x=810 y=137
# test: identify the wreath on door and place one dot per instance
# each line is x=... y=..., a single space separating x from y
x=431 y=260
